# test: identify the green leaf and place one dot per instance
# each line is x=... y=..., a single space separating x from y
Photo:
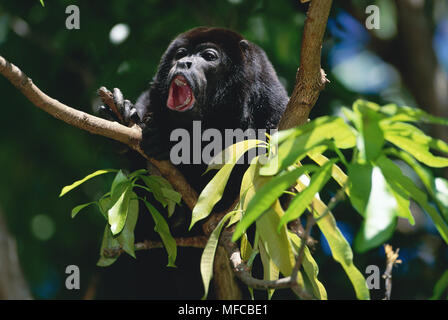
x=163 y=192
x=307 y=137
x=436 y=187
x=395 y=178
x=245 y=248
x=408 y=114
x=270 y=270
x=126 y=237
x=109 y=242
x=379 y=216
x=208 y=255
x=79 y=182
x=310 y=266
x=42 y=3
x=301 y=201
x=360 y=177
x=120 y=183
x=163 y=230
x=104 y=204
x=118 y=213
x=213 y=191
x=441 y=194
x=370 y=141
x=76 y=209
x=440 y=287
x=339 y=247
x=233 y=153
x=211 y=194
x=171 y=194
x=418 y=144
x=138 y=173
x=267 y=192
x=337 y=173
x=277 y=244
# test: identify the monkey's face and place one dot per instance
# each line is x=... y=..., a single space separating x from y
x=194 y=75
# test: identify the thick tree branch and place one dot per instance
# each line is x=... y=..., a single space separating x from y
x=113 y=130
x=311 y=79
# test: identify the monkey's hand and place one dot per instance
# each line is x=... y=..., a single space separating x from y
x=116 y=108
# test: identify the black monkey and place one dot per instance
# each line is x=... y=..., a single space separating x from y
x=212 y=75
x=217 y=77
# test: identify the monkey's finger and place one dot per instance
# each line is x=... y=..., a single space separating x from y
x=134 y=116
x=127 y=105
x=119 y=100
x=106 y=113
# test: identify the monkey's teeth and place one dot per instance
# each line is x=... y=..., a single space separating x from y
x=185 y=103
x=179 y=82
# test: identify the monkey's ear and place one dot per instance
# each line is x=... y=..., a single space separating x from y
x=244 y=45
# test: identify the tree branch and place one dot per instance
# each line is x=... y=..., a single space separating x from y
x=242 y=271
x=113 y=130
x=311 y=79
x=392 y=260
x=191 y=242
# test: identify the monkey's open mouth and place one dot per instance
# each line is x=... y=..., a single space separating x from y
x=180 y=95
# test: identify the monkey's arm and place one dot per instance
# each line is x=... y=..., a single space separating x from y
x=116 y=108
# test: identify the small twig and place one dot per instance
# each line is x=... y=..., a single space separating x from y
x=392 y=260
x=191 y=242
x=295 y=285
x=334 y=201
x=296 y=227
x=242 y=271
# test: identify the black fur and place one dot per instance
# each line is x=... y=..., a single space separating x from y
x=240 y=90
x=244 y=93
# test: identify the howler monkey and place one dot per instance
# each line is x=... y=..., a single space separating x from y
x=212 y=75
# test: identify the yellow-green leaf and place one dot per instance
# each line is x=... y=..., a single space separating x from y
x=79 y=182
x=310 y=266
x=339 y=246
x=270 y=270
x=118 y=213
x=77 y=209
x=304 y=198
x=126 y=237
x=208 y=255
x=163 y=230
x=267 y=192
x=277 y=244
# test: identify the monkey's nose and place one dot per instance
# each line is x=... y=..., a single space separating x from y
x=184 y=64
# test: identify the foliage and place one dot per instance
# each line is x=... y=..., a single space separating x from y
x=120 y=207
x=71 y=65
x=375 y=137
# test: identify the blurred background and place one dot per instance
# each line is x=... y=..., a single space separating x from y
x=119 y=44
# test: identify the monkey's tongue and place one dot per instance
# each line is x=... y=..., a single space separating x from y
x=180 y=95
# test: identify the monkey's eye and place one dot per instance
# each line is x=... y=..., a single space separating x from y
x=180 y=53
x=210 y=54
